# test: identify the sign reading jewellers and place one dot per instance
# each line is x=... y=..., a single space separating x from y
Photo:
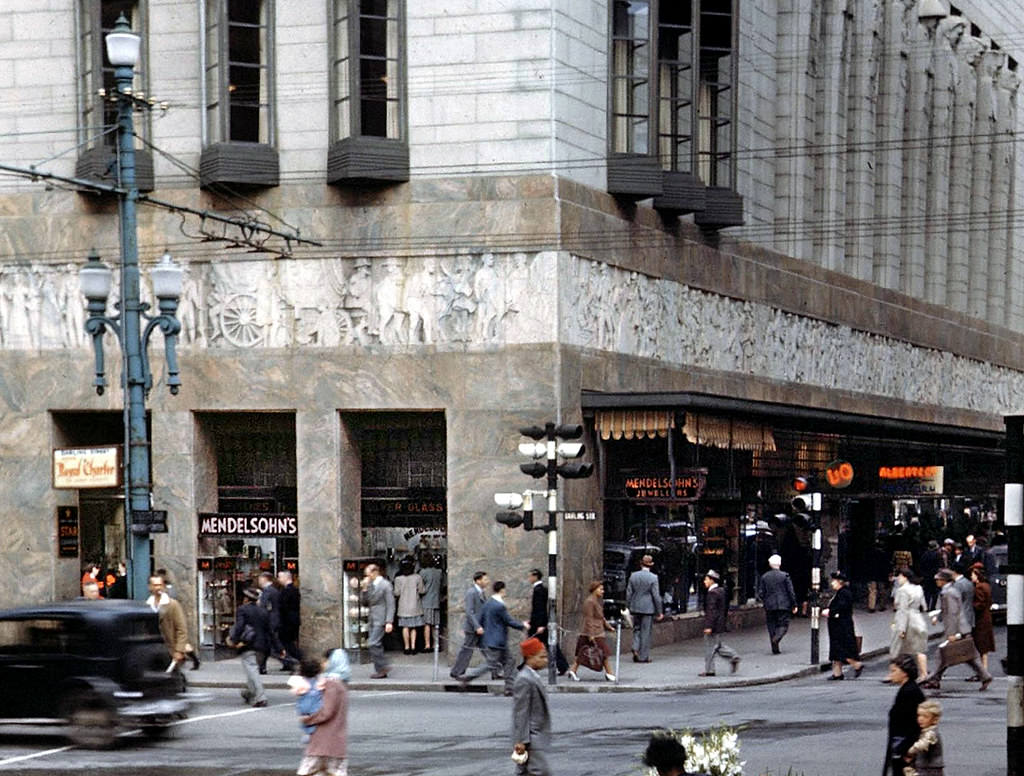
x=659 y=486
x=911 y=480
x=87 y=467
x=232 y=524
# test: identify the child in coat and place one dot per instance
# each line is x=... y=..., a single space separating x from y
x=925 y=755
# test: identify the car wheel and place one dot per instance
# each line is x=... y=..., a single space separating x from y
x=93 y=723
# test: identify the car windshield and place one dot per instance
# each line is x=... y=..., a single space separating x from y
x=614 y=559
x=141 y=628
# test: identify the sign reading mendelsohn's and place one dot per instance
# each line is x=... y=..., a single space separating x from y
x=659 y=486
x=237 y=524
x=87 y=467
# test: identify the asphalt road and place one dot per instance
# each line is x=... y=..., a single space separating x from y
x=814 y=727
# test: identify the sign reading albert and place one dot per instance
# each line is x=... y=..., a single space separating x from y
x=87 y=467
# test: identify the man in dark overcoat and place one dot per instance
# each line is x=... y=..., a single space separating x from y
x=716 y=607
x=776 y=594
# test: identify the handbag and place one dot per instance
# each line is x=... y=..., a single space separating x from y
x=589 y=654
x=248 y=635
x=953 y=653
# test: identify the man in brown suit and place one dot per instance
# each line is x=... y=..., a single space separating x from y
x=172 y=619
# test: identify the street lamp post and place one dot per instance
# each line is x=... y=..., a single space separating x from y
x=123 y=52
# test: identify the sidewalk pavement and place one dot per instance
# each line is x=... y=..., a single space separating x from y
x=674 y=666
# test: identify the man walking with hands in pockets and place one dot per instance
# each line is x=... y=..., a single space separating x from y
x=644 y=601
x=472 y=628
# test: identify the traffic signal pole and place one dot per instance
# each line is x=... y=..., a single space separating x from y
x=549 y=429
x=1013 y=518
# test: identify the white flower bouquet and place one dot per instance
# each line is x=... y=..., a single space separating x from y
x=714 y=752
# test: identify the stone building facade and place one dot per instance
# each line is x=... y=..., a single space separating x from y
x=502 y=231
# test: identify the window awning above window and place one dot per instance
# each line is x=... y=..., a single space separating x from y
x=715 y=431
x=633 y=424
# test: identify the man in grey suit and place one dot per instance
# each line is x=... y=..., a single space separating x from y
x=776 y=594
x=966 y=588
x=531 y=719
x=644 y=601
x=472 y=628
x=380 y=597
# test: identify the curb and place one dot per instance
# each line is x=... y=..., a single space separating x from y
x=497 y=688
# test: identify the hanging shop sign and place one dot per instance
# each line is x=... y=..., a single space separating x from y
x=839 y=474
x=87 y=467
x=911 y=480
x=67 y=532
x=687 y=486
x=227 y=524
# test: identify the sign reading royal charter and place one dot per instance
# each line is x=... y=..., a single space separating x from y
x=87 y=467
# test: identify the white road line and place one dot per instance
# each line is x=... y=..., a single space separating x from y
x=228 y=714
x=23 y=757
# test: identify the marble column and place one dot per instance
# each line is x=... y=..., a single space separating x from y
x=860 y=135
x=943 y=67
x=794 y=121
x=1014 y=318
x=892 y=94
x=983 y=146
x=830 y=136
x=965 y=89
x=1002 y=171
x=915 y=159
x=328 y=483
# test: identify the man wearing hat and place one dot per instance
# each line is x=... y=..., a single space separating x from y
x=715 y=610
x=531 y=720
x=644 y=601
x=776 y=594
x=956 y=627
x=252 y=636
x=928 y=567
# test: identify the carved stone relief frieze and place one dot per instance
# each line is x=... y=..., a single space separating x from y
x=685 y=326
x=41 y=307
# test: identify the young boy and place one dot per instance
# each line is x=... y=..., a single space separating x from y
x=925 y=754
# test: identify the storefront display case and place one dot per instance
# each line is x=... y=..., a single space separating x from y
x=355 y=616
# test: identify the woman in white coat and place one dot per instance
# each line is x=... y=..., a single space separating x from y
x=909 y=626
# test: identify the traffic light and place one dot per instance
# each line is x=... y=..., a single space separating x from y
x=514 y=501
x=553 y=443
x=511 y=519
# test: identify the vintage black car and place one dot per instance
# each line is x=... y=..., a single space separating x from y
x=97 y=667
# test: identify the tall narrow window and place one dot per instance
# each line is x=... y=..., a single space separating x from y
x=238 y=72
x=631 y=76
x=368 y=92
x=239 y=93
x=675 y=85
x=715 y=95
x=98 y=116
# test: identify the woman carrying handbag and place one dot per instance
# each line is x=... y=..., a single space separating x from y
x=591 y=647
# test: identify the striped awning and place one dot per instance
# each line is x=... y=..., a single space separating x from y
x=727 y=433
x=633 y=424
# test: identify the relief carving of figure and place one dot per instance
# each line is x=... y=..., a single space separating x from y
x=421 y=303
x=387 y=295
x=357 y=299
x=459 y=304
x=485 y=292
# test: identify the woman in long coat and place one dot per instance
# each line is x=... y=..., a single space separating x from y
x=909 y=627
x=842 y=642
x=903 y=728
x=984 y=638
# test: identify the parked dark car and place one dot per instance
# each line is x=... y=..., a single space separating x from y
x=998 y=583
x=621 y=560
x=98 y=667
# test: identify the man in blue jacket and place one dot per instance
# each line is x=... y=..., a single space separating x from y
x=496 y=621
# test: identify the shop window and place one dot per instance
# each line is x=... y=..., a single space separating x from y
x=367 y=92
x=97 y=119
x=239 y=94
